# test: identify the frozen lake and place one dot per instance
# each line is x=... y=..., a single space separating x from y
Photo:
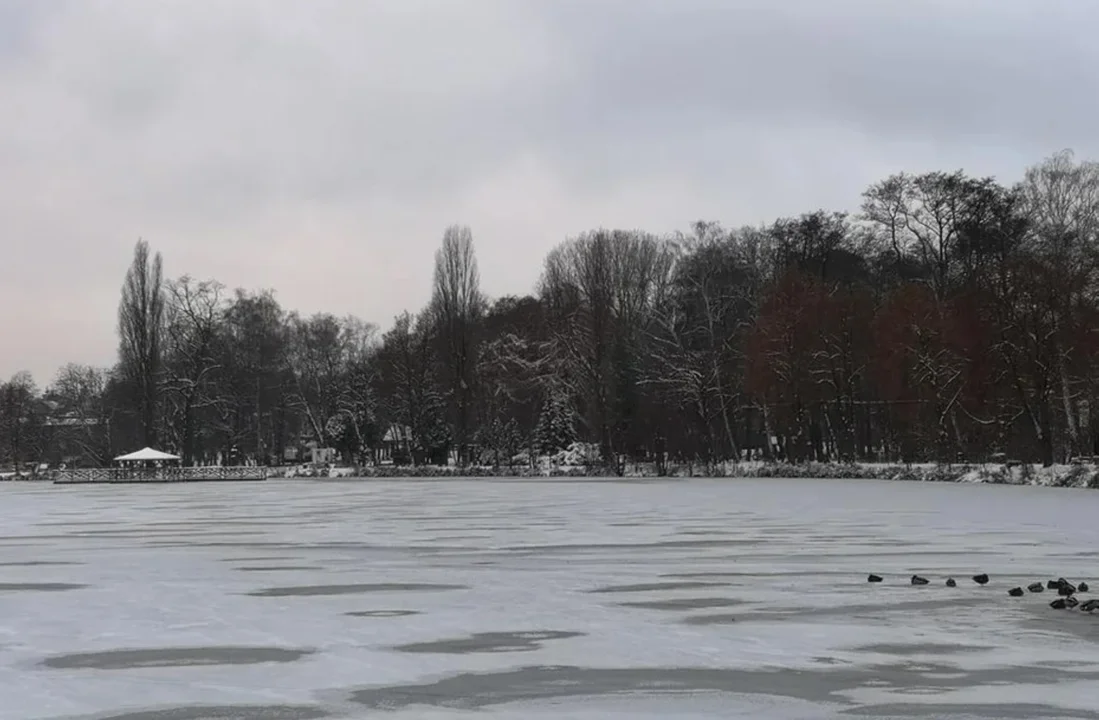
x=542 y=599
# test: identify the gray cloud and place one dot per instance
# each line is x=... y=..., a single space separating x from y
x=320 y=148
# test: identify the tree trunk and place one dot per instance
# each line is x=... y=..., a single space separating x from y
x=768 y=451
x=188 y=432
x=1072 y=432
x=1046 y=434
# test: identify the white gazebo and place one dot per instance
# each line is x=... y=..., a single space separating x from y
x=156 y=466
x=146 y=456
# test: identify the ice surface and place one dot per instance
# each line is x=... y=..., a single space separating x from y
x=530 y=599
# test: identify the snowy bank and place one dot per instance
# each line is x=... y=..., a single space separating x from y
x=1078 y=476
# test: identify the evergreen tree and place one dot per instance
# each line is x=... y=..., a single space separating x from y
x=556 y=429
x=434 y=438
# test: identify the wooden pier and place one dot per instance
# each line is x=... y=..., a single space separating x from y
x=214 y=473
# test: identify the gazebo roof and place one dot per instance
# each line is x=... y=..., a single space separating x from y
x=147 y=454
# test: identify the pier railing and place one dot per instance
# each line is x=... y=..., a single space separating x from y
x=161 y=474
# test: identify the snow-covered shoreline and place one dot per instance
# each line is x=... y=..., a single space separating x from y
x=1075 y=476
x=1070 y=476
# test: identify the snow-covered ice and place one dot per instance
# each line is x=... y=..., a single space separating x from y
x=542 y=599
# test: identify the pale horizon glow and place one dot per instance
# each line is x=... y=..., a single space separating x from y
x=320 y=149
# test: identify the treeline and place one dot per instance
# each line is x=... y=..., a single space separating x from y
x=952 y=318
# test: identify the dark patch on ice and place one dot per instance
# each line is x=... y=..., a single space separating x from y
x=658 y=545
x=828 y=660
x=174 y=657
x=38 y=563
x=304 y=547
x=219 y=530
x=992 y=711
x=811 y=613
x=650 y=587
x=903 y=649
x=315 y=590
x=40 y=587
x=448 y=538
x=276 y=568
x=13 y=540
x=382 y=613
x=825 y=685
x=220 y=522
x=490 y=642
x=683 y=603
x=915 y=676
x=242 y=545
x=719 y=574
x=73 y=523
x=259 y=558
x=815 y=558
x=726 y=618
x=224 y=712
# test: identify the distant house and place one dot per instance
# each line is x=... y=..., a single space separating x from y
x=299 y=448
x=323 y=455
x=396 y=446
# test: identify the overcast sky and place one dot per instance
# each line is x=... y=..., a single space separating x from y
x=320 y=147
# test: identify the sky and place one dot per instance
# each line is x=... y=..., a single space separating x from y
x=320 y=148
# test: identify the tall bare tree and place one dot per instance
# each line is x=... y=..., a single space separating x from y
x=353 y=428
x=254 y=404
x=407 y=390
x=317 y=360
x=79 y=423
x=697 y=343
x=78 y=390
x=457 y=306
x=140 y=328
x=1061 y=200
x=194 y=316
x=601 y=291
x=921 y=219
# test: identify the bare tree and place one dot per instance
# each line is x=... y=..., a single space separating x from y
x=354 y=426
x=457 y=306
x=601 y=291
x=78 y=390
x=194 y=315
x=697 y=341
x=922 y=217
x=1061 y=200
x=253 y=407
x=79 y=418
x=317 y=362
x=140 y=328
x=408 y=393
x=329 y=361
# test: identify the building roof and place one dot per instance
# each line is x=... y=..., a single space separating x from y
x=147 y=454
x=71 y=421
x=397 y=433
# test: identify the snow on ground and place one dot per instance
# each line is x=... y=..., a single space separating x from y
x=532 y=599
x=568 y=464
